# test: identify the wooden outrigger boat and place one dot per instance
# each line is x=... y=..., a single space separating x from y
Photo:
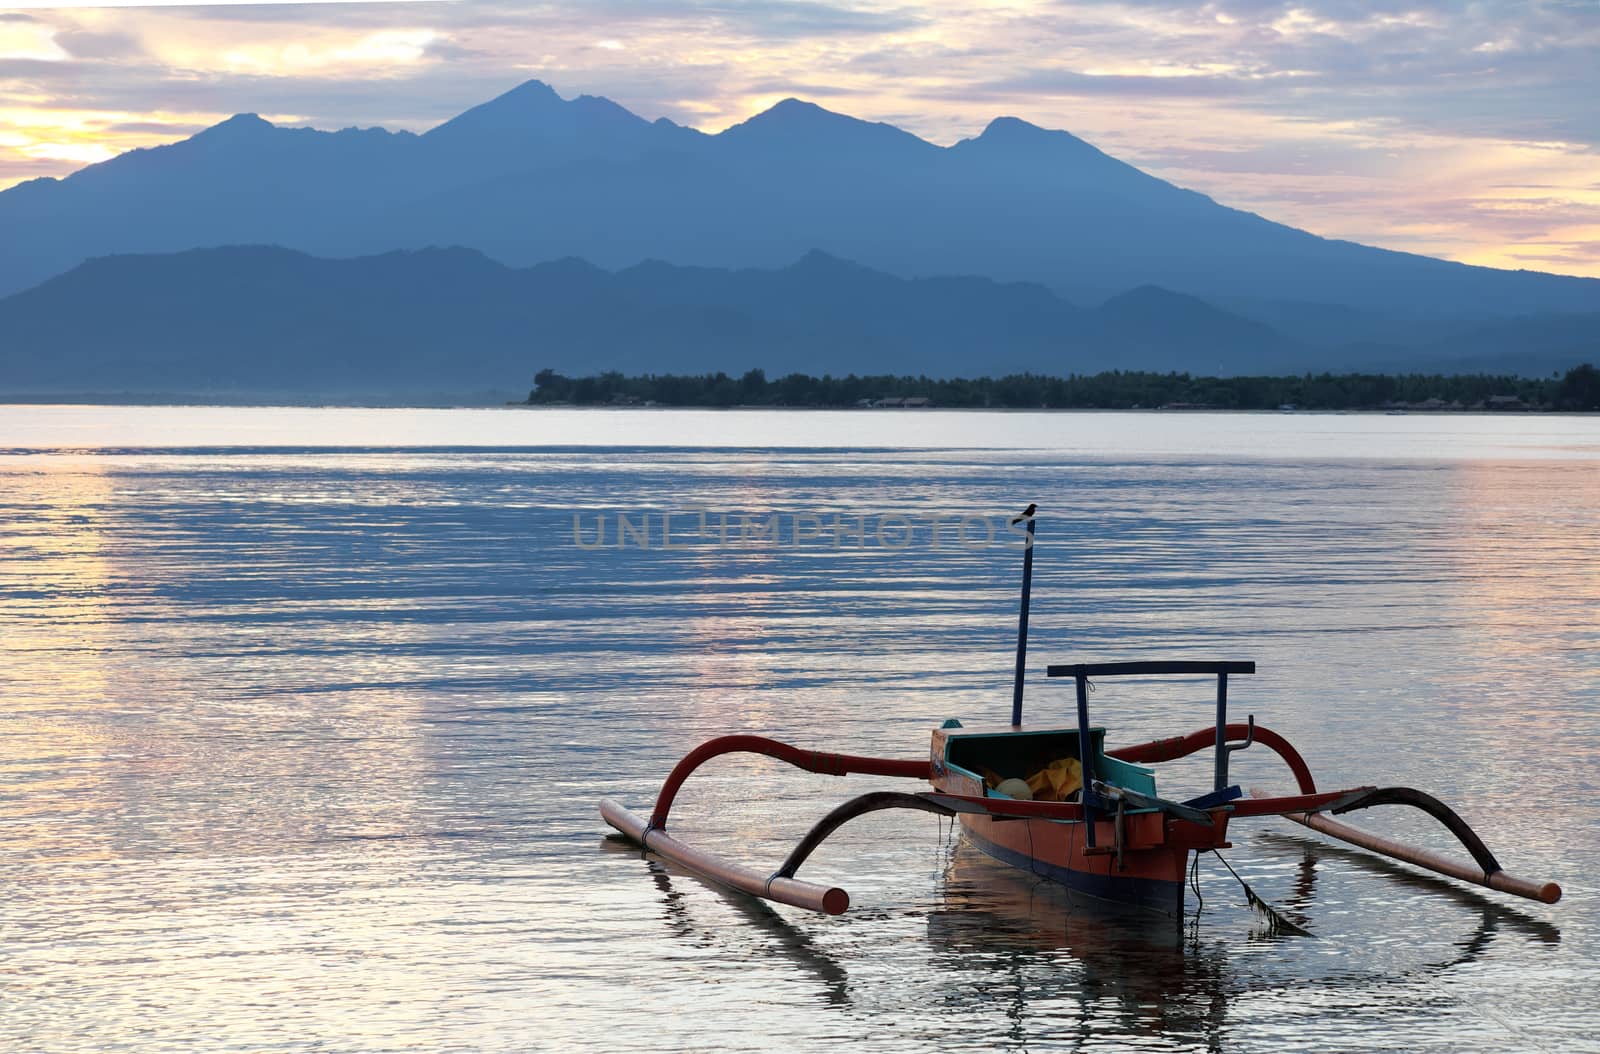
x=1056 y=802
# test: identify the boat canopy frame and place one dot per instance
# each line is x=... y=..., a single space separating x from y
x=1093 y=796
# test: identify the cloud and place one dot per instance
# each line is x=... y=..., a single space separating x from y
x=796 y=89
x=380 y=49
x=29 y=40
x=161 y=128
x=766 y=19
x=123 y=4
x=82 y=44
x=1071 y=84
x=19 y=168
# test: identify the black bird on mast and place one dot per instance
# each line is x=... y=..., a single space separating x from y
x=1027 y=514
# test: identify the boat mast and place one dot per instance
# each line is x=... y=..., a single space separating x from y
x=1022 y=619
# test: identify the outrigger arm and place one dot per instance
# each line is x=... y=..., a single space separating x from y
x=1488 y=873
x=877 y=801
x=781 y=886
x=1309 y=808
x=830 y=900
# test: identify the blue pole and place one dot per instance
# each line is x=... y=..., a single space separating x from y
x=1022 y=622
x=1086 y=759
x=1220 y=777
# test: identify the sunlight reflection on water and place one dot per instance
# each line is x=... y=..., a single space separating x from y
x=303 y=747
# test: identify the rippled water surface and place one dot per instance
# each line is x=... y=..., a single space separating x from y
x=307 y=713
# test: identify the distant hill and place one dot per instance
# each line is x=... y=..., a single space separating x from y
x=439 y=322
x=1531 y=345
x=530 y=177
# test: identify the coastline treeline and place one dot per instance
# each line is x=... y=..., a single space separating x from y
x=1578 y=389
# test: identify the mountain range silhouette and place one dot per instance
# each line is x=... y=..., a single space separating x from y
x=530 y=177
x=452 y=323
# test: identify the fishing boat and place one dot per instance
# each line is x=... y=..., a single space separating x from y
x=1055 y=801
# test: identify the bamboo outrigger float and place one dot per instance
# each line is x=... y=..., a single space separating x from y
x=1056 y=802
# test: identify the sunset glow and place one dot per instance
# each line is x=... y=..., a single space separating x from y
x=1458 y=132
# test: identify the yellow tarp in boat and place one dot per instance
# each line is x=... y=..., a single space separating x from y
x=1057 y=780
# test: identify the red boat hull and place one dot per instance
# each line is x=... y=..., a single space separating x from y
x=1150 y=878
x=1144 y=867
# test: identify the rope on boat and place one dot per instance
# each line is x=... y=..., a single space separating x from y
x=1355 y=948
x=1277 y=923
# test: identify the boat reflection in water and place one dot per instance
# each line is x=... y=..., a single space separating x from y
x=1493 y=914
x=1065 y=961
x=1083 y=966
x=1055 y=962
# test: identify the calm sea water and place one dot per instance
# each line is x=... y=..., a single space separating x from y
x=307 y=713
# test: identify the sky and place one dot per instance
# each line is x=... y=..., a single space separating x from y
x=1457 y=129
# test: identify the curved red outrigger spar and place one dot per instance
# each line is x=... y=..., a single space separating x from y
x=1138 y=857
x=1140 y=851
